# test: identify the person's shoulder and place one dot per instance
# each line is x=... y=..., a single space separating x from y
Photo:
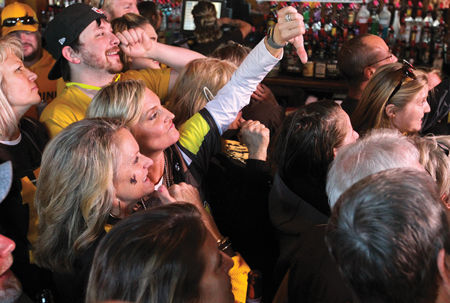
x=143 y=74
x=64 y=102
x=35 y=129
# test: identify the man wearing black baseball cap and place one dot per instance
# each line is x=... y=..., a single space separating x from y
x=87 y=57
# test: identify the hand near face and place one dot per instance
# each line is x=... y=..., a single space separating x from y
x=186 y=193
x=181 y=192
x=256 y=137
x=135 y=43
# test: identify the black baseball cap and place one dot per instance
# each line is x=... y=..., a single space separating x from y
x=65 y=29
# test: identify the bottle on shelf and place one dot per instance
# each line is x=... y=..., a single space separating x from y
x=396 y=25
x=385 y=19
x=362 y=19
x=418 y=22
x=374 y=19
x=408 y=23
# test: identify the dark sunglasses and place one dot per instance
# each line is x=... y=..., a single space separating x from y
x=407 y=72
x=444 y=148
x=24 y=20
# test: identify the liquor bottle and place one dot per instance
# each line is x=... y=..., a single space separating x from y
x=332 y=70
x=418 y=22
x=320 y=64
x=408 y=23
x=306 y=15
x=291 y=62
x=396 y=26
x=438 y=59
x=374 y=18
x=328 y=20
x=351 y=14
x=272 y=16
x=385 y=19
x=308 y=67
x=428 y=20
x=362 y=19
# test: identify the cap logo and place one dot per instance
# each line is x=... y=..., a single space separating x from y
x=62 y=40
x=98 y=11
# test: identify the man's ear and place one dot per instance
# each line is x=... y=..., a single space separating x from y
x=70 y=55
x=390 y=110
x=368 y=72
x=443 y=263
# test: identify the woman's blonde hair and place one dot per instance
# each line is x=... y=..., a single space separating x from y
x=205 y=19
x=8 y=120
x=197 y=84
x=434 y=156
x=75 y=191
x=119 y=100
x=371 y=109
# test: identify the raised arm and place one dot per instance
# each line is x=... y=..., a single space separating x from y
x=236 y=93
x=136 y=43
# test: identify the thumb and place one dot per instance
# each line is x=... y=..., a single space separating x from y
x=164 y=195
x=301 y=52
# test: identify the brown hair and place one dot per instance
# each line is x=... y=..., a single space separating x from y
x=150 y=257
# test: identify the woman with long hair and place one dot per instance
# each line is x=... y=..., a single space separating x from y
x=92 y=174
x=307 y=143
x=173 y=151
x=395 y=97
x=22 y=141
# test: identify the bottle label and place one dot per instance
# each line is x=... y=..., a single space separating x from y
x=308 y=69
x=320 y=69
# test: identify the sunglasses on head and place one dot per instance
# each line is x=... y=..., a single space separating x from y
x=407 y=72
x=24 y=20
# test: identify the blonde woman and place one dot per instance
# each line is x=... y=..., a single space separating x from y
x=197 y=84
x=174 y=152
x=92 y=174
x=22 y=141
x=395 y=97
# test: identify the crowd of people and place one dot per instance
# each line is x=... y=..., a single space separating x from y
x=135 y=171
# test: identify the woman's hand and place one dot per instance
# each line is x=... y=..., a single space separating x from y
x=264 y=94
x=290 y=28
x=256 y=137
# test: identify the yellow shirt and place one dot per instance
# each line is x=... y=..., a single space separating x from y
x=71 y=105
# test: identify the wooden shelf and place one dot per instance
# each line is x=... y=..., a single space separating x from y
x=308 y=84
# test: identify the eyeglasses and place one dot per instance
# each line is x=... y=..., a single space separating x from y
x=407 y=72
x=388 y=57
x=24 y=20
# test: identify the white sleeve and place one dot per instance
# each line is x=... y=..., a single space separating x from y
x=237 y=92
